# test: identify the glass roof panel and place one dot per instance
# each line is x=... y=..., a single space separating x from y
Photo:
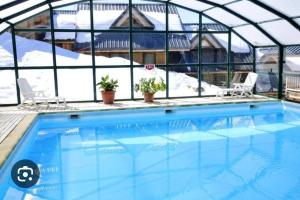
x=224 y=17
x=297 y=20
x=19 y=7
x=289 y=7
x=59 y=3
x=3 y=26
x=29 y=14
x=196 y=5
x=252 y=11
x=3 y=2
x=253 y=35
x=282 y=31
x=221 y=2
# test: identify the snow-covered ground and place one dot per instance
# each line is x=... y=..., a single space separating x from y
x=76 y=84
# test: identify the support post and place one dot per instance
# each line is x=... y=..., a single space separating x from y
x=280 y=70
x=53 y=51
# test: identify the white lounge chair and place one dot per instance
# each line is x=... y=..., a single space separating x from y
x=34 y=97
x=241 y=89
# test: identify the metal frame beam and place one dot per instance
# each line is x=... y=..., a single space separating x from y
x=244 y=19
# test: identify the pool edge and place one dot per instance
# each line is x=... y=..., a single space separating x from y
x=13 y=138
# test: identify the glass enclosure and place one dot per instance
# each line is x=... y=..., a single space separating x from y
x=66 y=48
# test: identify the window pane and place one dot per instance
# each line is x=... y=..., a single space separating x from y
x=109 y=15
x=291 y=66
x=240 y=50
x=75 y=84
x=183 y=81
x=40 y=80
x=253 y=35
x=6 y=50
x=182 y=20
x=267 y=69
x=73 y=49
x=123 y=77
x=75 y=16
x=147 y=15
x=149 y=43
x=214 y=48
x=251 y=11
x=211 y=25
x=34 y=49
x=284 y=32
x=112 y=48
x=158 y=73
x=8 y=94
x=214 y=77
x=239 y=73
x=183 y=48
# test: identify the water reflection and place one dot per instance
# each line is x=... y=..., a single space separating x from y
x=241 y=157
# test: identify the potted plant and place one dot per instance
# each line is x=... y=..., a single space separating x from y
x=108 y=89
x=149 y=86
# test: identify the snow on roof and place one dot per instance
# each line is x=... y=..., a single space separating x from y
x=105 y=14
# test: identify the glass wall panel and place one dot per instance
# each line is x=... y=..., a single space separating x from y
x=112 y=48
x=41 y=20
x=73 y=49
x=109 y=15
x=6 y=50
x=239 y=73
x=182 y=20
x=183 y=81
x=147 y=16
x=123 y=77
x=76 y=16
x=213 y=78
x=141 y=72
x=149 y=43
x=291 y=67
x=214 y=48
x=34 y=49
x=40 y=80
x=183 y=48
x=241 y=52
x=75 y=84
x=267 y=69
x=211 y=25
x=8 y=93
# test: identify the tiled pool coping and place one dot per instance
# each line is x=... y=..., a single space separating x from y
x=9 y=143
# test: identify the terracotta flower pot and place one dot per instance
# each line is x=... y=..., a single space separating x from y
x=108 y=97
x=148 y=97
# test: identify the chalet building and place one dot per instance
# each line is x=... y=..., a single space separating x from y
x=147 y=47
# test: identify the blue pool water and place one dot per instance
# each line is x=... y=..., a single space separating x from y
x=192 y=153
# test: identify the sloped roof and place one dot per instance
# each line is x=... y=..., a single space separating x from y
x=289 y=50
x=141 y=41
